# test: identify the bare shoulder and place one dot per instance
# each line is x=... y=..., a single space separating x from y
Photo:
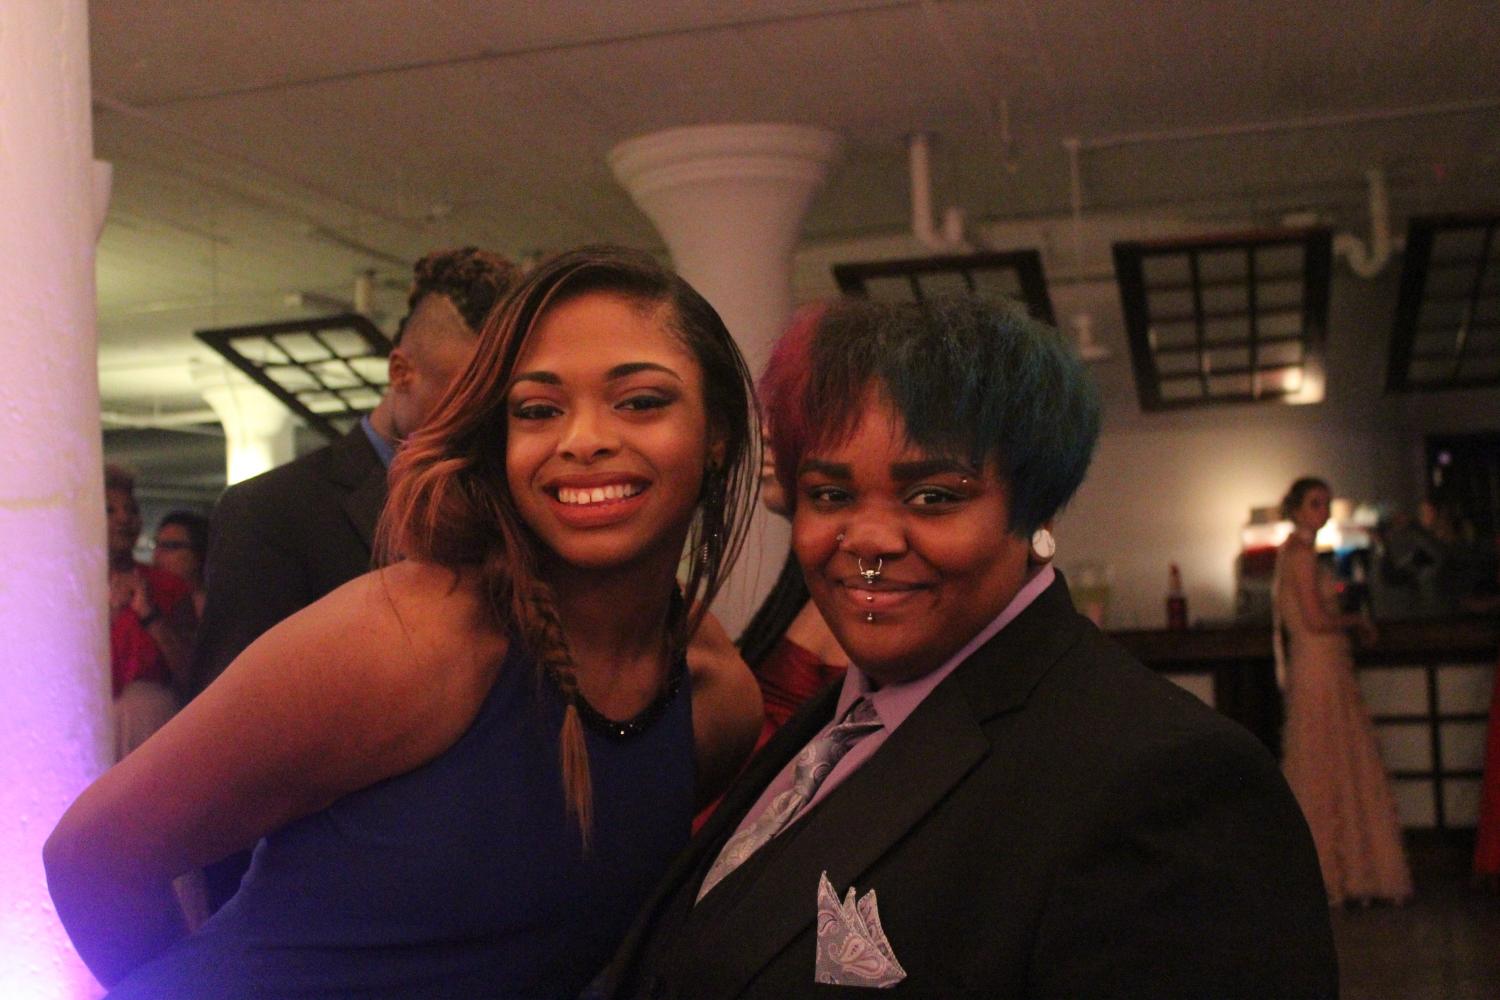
x=373 y=680
x=1297 y=556
x=720 y=675
x=1296 y=548
x=401 y=656
x=727 y=711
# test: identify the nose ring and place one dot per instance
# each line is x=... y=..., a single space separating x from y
x=870 y=575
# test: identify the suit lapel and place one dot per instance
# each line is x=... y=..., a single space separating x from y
x=357 y=468
x=679 y=887
x=845 y=835
x=869 y=813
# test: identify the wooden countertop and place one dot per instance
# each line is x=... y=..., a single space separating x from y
x=1465 y=637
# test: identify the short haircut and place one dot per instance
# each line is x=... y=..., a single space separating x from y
x=196 y=526
x=472 y=279
x=968 y=376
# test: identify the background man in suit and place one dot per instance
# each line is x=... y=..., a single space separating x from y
x=1039 y=814
x=284 y=539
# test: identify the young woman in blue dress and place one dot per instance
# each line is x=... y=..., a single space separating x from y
x=466 y=769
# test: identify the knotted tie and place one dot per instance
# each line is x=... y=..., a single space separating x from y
x=814 y=763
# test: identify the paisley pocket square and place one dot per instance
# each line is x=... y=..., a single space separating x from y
x=852 y=948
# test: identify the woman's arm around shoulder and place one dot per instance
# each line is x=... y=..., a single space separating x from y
x=378 y=677
x=727 y=711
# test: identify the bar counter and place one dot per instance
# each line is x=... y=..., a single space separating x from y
x=1437 y=666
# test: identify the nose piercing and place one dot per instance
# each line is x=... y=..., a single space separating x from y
x=870 y=575
x=839 y=538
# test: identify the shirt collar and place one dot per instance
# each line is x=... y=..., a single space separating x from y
x=384 y=450
x=894 y=702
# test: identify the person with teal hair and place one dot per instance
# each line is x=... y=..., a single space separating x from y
x=996 y=800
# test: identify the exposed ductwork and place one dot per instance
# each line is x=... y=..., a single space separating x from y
x=951 y=238
x=1368 y=261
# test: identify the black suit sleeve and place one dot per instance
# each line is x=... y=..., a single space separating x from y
x=255 y=579
x=1199 y=880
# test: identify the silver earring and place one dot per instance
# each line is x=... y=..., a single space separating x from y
x=870 y=575
x=1043 y=545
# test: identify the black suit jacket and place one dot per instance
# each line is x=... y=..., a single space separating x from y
x=1053 y=820
x=282 y=540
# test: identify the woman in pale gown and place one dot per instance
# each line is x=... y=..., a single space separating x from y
x=1330 y=757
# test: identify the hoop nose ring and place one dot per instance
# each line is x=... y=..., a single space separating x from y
x=870 y=575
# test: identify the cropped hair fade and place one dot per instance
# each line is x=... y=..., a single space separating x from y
x=471 y=278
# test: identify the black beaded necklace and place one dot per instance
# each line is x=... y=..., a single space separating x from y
x=624 y=729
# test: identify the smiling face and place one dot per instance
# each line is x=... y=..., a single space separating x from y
x=935 y=526
x=607 y=434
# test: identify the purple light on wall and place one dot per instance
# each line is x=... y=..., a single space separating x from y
x=53 y=657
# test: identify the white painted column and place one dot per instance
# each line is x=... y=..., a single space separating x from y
x=257 y=426
x=729 y=201
x=54 y=735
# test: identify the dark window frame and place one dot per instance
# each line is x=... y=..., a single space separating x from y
x=1026 y=264
x=1416 y=268
x=1315 y=276
x=323 y=420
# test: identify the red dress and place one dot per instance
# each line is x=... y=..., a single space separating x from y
x=788 y=676
x=133 y=654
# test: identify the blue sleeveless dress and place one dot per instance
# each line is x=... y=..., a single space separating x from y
x=463 y=878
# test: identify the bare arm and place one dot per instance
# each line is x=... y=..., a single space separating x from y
x=727 y=711
x=396 y=661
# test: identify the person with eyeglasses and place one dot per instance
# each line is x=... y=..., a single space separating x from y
x=181 y=549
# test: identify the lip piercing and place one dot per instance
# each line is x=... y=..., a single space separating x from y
x=869 y=598
x=870 y=575
x=869 y=616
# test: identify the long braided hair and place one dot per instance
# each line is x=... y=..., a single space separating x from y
x=450 y=501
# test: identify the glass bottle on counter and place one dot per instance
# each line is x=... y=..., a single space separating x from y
x=1177 y=619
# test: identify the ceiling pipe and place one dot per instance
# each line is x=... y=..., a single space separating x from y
x=1369 y=261
x=200 y=421
x=364 y=292
x=1075 y=197
x=1316 y=123
x=207 y=140
x=951 y=238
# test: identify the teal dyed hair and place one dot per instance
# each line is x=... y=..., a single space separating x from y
x=970 y=377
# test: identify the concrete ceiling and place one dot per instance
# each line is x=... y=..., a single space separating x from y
x=266 y=149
